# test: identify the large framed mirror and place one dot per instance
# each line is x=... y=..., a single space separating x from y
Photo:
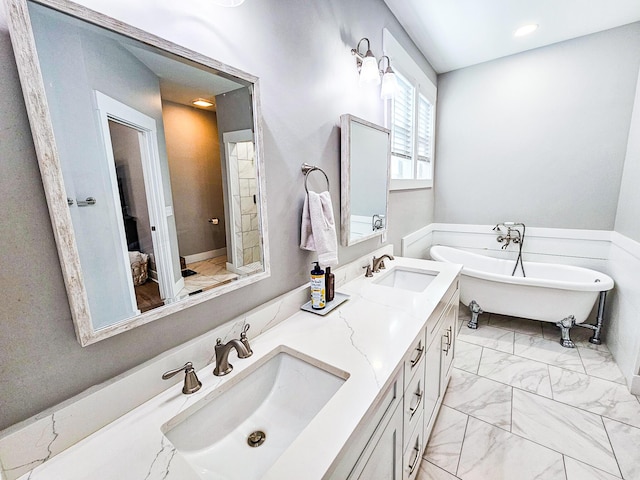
x=152 y=164
x=364 y=172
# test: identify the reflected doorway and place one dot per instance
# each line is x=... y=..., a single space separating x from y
x=127 y=155
x=245 y=252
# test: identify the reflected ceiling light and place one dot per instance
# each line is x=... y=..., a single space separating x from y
x=389 y=80
x=228 y=3
x=367 y=65
x=202 y=102
x=525 y=30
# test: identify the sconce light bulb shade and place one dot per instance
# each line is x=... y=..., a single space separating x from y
x=389 y=85
x=369 y=74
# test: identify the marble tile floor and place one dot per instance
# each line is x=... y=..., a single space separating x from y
x=520 y=406
x=210 y=273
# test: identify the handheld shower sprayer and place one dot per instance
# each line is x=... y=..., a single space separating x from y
x=513 y=235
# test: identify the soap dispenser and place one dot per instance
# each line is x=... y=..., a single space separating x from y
x=318 y=298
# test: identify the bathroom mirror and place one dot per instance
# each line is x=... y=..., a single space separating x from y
x=364 y=193
x=156 y=203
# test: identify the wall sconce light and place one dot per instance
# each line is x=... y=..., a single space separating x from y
x=367 y=65
x=389 y=80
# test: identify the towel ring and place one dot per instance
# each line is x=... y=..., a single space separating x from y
x=307 y=169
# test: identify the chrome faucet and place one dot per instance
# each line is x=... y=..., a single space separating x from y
x=378 y=263
x=243 y=349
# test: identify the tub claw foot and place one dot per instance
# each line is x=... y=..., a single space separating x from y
x=565 y=326
x=475 y=311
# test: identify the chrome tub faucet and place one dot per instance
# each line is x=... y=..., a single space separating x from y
x=242 y=347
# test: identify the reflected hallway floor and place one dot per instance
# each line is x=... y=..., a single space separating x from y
x=520 y=406
x=209 y=273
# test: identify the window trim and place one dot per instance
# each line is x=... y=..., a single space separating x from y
x=402 y=62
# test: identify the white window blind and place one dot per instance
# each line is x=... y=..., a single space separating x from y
x=410 y=116
x=402 y=119
x=424 y=128
x=424 y=134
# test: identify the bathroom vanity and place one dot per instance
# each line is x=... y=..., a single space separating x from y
x=337 y=396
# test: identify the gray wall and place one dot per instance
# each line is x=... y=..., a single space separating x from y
x=538 y=137
x=301 y=52
x=628 y=217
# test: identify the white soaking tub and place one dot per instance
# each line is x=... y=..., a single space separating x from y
x=561 y=294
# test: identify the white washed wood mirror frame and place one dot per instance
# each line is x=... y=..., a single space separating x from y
x=91 y=300
x=364 y=171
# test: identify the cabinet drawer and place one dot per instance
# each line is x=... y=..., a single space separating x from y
x=413 y=404
x=414 y=360
x=413 y=454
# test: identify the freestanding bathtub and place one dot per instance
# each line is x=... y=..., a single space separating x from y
x=562 y=294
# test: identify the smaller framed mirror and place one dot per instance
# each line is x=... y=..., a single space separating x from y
x=364 y=193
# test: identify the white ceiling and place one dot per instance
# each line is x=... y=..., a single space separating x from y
x=454 y=34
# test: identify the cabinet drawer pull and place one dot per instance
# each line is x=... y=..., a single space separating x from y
x=417 y=359
x=413 y=410
x=414 y=463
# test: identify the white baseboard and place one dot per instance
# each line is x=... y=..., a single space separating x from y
x=199 y=257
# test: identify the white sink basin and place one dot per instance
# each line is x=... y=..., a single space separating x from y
x=279 y=397
x=406 y=279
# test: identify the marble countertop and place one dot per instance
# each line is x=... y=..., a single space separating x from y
x=367 y=337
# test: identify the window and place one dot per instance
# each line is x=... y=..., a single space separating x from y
x=410 y=117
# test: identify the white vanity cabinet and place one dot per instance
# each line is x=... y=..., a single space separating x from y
x=391 y=444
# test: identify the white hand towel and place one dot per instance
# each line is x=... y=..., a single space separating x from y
x=318 y=229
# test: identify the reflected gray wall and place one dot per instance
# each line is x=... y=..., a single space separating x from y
x=301 y=52
x=538 y=137
x=196 y=178
x=369 y=166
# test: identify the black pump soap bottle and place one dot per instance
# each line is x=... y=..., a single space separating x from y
x=318 y=298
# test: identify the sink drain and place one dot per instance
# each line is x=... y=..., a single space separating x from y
x=256 y=438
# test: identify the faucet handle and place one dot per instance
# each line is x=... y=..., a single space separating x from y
x=245 y=341
x=368 y=272
x=191 y=382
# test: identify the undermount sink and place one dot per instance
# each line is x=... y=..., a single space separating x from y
x=278 y=398
x=406 y=279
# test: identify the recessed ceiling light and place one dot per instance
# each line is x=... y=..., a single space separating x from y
x=201 y=102
x=525 y=30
